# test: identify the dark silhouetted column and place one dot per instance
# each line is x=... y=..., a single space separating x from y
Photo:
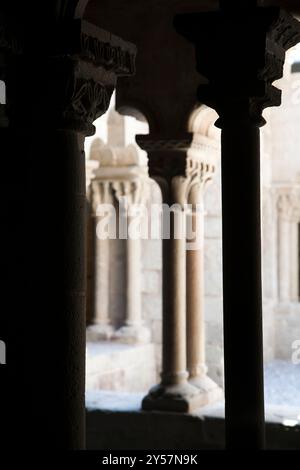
x=241 y=51
x=56 y=88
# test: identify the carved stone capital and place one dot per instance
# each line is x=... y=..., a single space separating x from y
x=68 y=78
x=240 y=83
x=199 y=175
x=190 y=189
x=100 y=193
x=131 y=192
x=167 y=156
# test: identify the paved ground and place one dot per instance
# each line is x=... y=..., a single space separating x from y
x=282 y=384
x=282 y=395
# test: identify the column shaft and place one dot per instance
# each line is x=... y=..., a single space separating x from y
x=174 y=393
x=174 y=319
x=133 y=277
x=284 y=258
x=52 y=364
x=101 y=328
x=133 y=330
x=102 y=282
x=243 y=347
x=195 y=292
x=195 y=299
x=294 y=256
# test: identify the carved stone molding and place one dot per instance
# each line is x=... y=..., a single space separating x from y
x=87 y=42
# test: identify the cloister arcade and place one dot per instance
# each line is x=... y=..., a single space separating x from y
x=198 y=80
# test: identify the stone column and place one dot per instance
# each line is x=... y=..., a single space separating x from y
x=294 y=251
x=200 y=173
x=56 y=89
x=239 y=95
x=174 y=392
x=270 y=250
x=132 y=195
x=284 y=248
x=124 y=174
x=101 y=328
x=294 y=261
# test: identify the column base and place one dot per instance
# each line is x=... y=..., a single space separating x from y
x=208 y=389
x=132 y=335
x=99 y=333
x=183 y=398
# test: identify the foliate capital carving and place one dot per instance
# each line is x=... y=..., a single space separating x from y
x=88 y=99
x=240 y=83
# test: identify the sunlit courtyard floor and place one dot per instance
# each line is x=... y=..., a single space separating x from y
x=282 y=389
x=282 y=384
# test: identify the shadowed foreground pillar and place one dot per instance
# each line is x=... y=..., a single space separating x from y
x=55 y=90
x=239 y=88
x=242 y=283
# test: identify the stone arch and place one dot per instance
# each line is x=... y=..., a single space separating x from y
x=202 y=120
x=137 y=110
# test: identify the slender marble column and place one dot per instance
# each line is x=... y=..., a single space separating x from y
x=133 y=194
x=195 y=290
x=133 y=270
x=101 y=328
x=284 y=246
x=294 y=254
x=174 y=393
